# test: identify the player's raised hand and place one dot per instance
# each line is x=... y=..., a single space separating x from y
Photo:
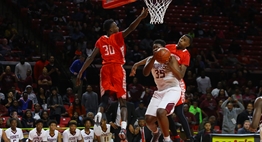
x=78 y=79
x=144 y=13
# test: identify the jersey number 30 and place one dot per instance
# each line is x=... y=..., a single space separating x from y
x=109 y=50
x=160 y=73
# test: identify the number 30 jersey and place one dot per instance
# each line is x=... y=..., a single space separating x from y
x=163 y=76
x=112 y=48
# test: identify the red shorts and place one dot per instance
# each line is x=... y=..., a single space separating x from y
x=113 y=78
x=183 y=91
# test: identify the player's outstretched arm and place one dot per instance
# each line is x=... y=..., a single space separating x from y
x=256 y=113
x=135 y=23
x=137 y=64
x=149 y=65
x=88 y=61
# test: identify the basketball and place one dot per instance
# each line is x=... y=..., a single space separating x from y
x=162 y=55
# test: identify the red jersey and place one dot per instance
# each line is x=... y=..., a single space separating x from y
x=112 y=48
x=182 y=56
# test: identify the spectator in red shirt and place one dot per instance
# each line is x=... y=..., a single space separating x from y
x=39 y=65
x=209 y=106
x=44 y=80
x=135 y=91
x=7 y=79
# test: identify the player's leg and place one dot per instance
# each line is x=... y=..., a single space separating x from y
x=257 y=113
x=166 y=107
x=173 y=128
x=150 y=117
x=105 y=86
x=183 y=120
x=119 y=83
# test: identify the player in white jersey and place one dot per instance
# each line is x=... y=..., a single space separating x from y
x=166 y=97
x=52 y=134
x=87 y=133
x=72 y=134
x=102 y=131
x=38 y=134
x=13 y=133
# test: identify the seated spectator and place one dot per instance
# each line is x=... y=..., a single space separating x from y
x=15 y=116
x=55 y=104
x=27 y=120
x=15 y=107
x=77 y=107
x=55 y=35
x=3 y=110
x=16 y=93
x=90 y=115
x=69 y=97
x=7 y=79
x=203 y=135
x=37 y=112
x=9 y=100
x=140 y=110
x=194 y=109
x=212 y=119
x=245 y=128
x=31 y=94
x=77 y=118
x=25 y=103
x=44 y=80
x=42 y=98
x=45 y=118
x=5 y=48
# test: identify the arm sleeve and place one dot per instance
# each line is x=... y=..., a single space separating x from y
x=30 y=137
x=186 y=60
x=72 y=67
x=65 y=137
x=223 y=105
x=21 y=135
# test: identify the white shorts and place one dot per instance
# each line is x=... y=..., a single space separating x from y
x=166 y=99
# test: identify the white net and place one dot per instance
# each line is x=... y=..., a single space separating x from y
x=157 y=10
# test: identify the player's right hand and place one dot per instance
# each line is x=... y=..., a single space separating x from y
x=78 y=79
x=144 y=13
x=133 y=70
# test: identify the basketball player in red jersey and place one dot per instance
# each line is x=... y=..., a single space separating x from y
x=183 y=57
x=112 y=74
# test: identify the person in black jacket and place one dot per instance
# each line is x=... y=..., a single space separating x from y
x=204 y=135
x=245 y=115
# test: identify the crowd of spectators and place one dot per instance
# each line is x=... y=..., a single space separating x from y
x=79 y=24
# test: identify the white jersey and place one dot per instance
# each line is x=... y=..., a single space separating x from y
x=33 y=136
x=14 y=136
x=68 y=137
x=104 y=136
x=52 y=138
x=88 y=137
x=1 y=133
x=163 y=76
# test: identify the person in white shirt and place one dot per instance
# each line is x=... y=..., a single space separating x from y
x=203 y=82
x=52 y=134
x=13 y=133
x=21 y=69
x=38 y=134
x=102 y=131
x=87 y=133
x=72 y=134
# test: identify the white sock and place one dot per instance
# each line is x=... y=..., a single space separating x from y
x=167 y=138
x=99 y=115
x=123 y=124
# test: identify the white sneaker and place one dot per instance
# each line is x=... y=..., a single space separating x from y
x=98 y=118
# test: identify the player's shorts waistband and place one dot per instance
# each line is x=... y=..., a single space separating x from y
x=106 y=64
x=168 y=89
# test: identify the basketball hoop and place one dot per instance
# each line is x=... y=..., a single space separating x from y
x=157 y=10
x=109 y=4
